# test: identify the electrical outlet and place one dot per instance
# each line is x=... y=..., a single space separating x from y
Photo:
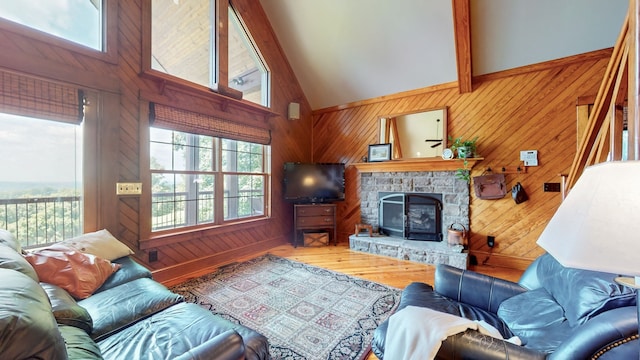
x=153 y=255
x=551 y=187
x=134 y=188
x=491 y=241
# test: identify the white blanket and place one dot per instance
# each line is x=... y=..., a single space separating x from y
x=416 y=333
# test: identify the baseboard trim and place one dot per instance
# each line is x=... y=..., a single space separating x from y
x=490 y=259
x=176 y=274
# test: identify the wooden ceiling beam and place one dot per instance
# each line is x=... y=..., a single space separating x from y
x=462 y=34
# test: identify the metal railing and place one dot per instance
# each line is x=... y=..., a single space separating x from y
x=43 y=220
x=46 y=220
x=174 y=210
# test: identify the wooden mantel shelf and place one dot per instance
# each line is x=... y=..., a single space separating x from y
x=424 y=164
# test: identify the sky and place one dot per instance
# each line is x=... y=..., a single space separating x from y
x=33 y=150
x=41 y=150
x=75 y=20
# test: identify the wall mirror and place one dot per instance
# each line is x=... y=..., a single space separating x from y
x=415 y=134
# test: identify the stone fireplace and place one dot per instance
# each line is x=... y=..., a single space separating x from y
x=413 y=216
x=452 y=195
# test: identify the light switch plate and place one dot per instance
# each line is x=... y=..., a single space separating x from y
x=128 y=188
x=530 y=157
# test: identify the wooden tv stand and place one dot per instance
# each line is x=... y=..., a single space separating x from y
x=314 y=217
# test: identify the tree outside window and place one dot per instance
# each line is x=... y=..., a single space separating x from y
x=186 y=178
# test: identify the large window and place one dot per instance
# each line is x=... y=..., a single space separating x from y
x=79 y=21
x=198 y=179
x=41 y=179
x=41 y=147
x=183 y=44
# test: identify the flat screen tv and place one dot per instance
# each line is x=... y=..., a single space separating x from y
x=313 y=183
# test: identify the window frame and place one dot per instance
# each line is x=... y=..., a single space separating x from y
x=220 y=67
x=218 y=174
x=265 y=92
x=90 y=158
x=109 y=35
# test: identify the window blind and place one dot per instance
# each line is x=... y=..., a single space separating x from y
x=187 y=121
x=27 y=96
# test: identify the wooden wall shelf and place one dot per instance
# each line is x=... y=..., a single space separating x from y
x=424 y=164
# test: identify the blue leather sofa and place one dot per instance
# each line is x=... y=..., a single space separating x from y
x=557 y=313
x=130 y=316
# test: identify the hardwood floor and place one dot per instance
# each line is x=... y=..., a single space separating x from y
x=381 y=269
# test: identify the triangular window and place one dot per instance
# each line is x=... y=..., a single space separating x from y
x=247 y=72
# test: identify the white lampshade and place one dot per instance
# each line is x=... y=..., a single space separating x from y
x=597 y=227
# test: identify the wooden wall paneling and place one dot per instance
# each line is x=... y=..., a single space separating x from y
x=128 y=143
x=91 y=174
x=25 y=55
x=107 y=161
x=545 y=108
x=521 y=110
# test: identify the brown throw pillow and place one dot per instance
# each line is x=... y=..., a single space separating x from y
x=78 y=273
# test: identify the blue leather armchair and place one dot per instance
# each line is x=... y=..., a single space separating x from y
x=557 y=312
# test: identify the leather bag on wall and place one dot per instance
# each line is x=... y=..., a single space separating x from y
x=518 y=193
x=489 y=187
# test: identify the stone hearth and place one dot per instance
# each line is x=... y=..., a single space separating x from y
x=455 y=202
x=428 y=252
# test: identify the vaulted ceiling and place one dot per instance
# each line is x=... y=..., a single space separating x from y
x=344 y=51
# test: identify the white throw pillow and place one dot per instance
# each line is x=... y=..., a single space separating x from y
x=100 y=243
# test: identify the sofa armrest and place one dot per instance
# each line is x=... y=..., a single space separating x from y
x=226 y=346
x=471 y=344
x=472 y=288
x=610 y=330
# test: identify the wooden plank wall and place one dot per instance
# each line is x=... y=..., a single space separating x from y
x=123 y=132
x=530 y=108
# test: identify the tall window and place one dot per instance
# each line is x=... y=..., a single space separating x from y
x=183 y=38
x=41 y=179
x=198 y=179
x=79 y=21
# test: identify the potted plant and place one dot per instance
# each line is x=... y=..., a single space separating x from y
x=464 y=173
x=464 y=148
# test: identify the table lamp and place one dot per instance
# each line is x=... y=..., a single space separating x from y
x=597 y=226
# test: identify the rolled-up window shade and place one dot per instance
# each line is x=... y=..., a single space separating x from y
x=27 y=96
x=187 y=121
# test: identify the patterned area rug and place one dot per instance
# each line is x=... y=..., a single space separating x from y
x=306 y=312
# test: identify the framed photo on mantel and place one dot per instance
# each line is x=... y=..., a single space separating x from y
x=379 y=152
